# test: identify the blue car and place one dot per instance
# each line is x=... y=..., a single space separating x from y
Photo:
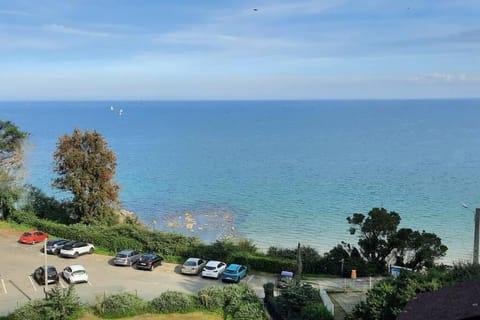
x=234 y=272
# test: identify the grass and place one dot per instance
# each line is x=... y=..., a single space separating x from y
x=172 y=316
x=14 y=226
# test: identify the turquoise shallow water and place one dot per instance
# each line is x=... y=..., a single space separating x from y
x=278 y=172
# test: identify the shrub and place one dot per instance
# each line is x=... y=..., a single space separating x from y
x=268 y=289
x=263 y=262
x=31 y=311
x=62 y=304
x=241 y=302
x=172 y=301
x=121 y=305
x=212 y=298
x=316 y=311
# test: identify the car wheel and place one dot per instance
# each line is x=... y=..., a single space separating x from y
x=151 y=268
x=90 y=251
x=75 y=254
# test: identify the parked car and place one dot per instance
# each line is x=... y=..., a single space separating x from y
x=76 y=249
x=284 y=279
x=39 y=275
x=193 y=266
x=127 y=257
x=213 y=269
x=234 y=272
x=149 y=261
x=54 y=245
x=32 y=237
x=75 y=274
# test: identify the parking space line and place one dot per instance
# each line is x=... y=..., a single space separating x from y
x=251 y=277
x=31 y=281
x=89 y=283
x=61 y=284
x=21 y=291
x=4 y=288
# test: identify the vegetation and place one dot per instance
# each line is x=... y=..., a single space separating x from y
x=387 y=298
x=173 y=301
x=86 y=168
x=12 y=142
x=380 y=239
x=120 y=305
x=296 y=301
x=61 y=304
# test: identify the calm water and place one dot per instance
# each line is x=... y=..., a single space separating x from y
x=278 y=172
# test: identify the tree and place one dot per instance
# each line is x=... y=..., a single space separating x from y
x=377 y=229
x=86 y=167
x=12 y=142
x=418 y=249
x=380 y=240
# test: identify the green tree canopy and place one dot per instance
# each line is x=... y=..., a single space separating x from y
x=86 y=167
x=381 y=240
x=12 y=142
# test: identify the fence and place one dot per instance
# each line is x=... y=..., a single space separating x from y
x=326 y=301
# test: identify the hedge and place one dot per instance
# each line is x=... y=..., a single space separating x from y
x=167 y=244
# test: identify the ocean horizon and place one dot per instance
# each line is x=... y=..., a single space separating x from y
x=277 y=172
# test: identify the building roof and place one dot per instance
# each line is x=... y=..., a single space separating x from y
x=460 y=301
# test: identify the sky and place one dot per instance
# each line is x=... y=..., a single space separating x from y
x=242 y=49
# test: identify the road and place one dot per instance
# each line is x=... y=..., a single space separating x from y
x=17 y=286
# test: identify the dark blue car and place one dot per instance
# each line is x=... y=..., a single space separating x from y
x=234 y=272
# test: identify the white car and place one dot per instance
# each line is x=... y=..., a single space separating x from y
x=76 y=249
x=75 y=274
x=214 y=269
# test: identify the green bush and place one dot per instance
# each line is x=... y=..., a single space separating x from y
x=31 y=311
x=172 y=301
x=316 y=311
x=263 y=262
x=268 y=289
x=114 y=238
x=62 y=304
x=121 y=305
x=212 y=298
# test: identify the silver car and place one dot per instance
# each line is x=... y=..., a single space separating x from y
x=193 y=266
x=127 y=257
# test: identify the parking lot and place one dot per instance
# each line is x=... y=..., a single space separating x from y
x=17 y=285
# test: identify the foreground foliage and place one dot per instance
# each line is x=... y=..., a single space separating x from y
x=12 y=145
x=61 y=304
x=387 y=298
x=296 y=301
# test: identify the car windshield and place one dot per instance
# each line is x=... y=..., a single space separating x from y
x=230 y=271
x=121 y=255
x=190 y=263
x=27 y=234
x=52 y=271
x=210 y=268
x=147 y=257
x=79 y=272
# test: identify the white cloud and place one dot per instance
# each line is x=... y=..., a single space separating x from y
x=440 y=77
x=57 y=28
x=226 y=41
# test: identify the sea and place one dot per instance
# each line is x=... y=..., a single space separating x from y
x=277 y=173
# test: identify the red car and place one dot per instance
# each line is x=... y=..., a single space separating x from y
x=33 y=237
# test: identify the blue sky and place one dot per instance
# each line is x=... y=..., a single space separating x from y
x=190 y=49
